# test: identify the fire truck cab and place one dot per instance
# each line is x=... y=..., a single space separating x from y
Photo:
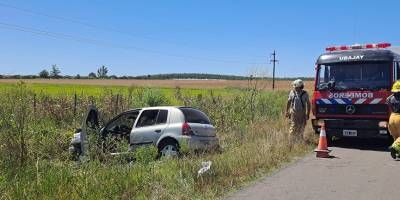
x=351 y=87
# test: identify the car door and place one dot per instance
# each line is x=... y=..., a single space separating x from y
x=149 y=127
x=90 y=125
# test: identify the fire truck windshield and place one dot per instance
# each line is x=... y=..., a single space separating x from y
x=354 y=76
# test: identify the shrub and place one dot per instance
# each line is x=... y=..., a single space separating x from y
x=154 y=97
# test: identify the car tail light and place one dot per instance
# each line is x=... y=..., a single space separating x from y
x=186 y=130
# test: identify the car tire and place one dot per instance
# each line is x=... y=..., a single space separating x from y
x=169 y=149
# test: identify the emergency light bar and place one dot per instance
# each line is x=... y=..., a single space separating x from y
x=358 y=46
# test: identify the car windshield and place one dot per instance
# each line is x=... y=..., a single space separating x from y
x=354 y=76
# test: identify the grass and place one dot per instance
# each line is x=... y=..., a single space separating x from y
x=95 y=90
x=249 y=123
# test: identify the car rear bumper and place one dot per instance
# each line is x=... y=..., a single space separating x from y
x=358 y=128
x=201 y=143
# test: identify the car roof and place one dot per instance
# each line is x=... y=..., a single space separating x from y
x=157 y=107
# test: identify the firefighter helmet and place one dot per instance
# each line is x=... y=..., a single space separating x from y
x=299 y=83
x=396 y=86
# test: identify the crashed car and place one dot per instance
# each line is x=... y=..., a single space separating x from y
x=167 y=127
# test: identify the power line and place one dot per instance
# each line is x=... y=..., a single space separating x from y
x=105 y=44
x=82 y=23
x=89 y=25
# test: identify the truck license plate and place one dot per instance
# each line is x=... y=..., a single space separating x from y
x=350 y=133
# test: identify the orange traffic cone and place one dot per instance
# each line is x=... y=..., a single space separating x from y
x=322 y=149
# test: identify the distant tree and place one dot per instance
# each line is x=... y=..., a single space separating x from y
x=15 y=76
x=77 y=76
x=1 y=76
x=92 y=75
x=55 y=72
x=102 y=72
x=44 y=74
x=113 y=77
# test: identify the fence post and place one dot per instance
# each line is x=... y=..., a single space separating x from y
x=116 y=103
x=129 y=99
x=34 y=103
x=121 y=102
x=75 y=104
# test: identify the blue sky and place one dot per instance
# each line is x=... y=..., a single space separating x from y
x=208 y=36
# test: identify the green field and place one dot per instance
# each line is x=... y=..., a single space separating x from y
x=37 y=121
x=68 y=89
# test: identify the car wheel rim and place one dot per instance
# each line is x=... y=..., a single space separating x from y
x=169 y=151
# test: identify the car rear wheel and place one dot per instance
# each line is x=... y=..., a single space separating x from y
x=169 y=149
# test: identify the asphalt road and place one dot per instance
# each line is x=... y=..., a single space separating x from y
x=359 y=170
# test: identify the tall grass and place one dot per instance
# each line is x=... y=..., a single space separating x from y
x=34 y=162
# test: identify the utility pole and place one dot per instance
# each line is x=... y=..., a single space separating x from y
x=273 y=61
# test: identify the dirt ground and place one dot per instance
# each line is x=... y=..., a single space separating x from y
x=267 y=85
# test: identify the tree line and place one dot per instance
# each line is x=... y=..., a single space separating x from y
x=103 y=73
x=55 y=73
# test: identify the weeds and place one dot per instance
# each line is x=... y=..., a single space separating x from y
x=35 y=164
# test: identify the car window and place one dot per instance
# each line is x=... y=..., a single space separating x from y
x=92 y=119
x=152 y=117
x=162 y=117
x=147 y=118
x=122 y=124
x=195 y=116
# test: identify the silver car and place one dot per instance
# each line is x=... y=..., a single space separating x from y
x=167 y=127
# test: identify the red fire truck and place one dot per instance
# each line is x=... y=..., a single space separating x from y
x=351 y=87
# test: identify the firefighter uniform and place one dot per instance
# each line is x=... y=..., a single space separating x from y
x=298 y=108
x=394 y=103
x=394 y=121
x=394 y=125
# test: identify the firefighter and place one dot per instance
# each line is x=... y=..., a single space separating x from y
x=298 y=109
x=394 y=121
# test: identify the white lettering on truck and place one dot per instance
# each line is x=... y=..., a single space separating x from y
x=347 y=58
x=351 y=95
